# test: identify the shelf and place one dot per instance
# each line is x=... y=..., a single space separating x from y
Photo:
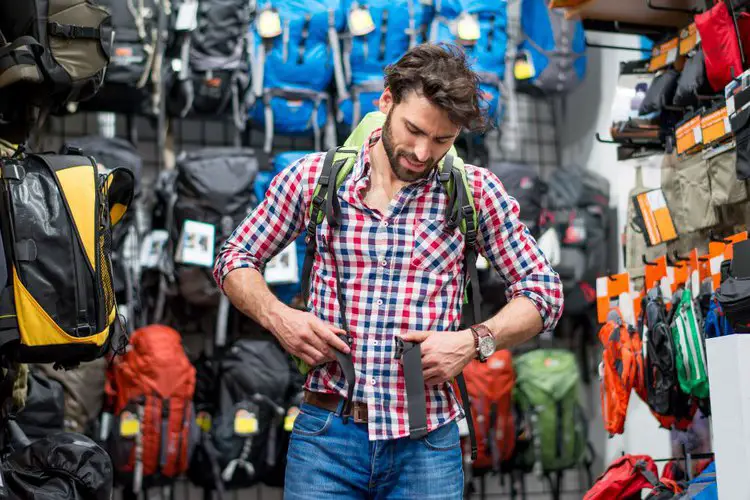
x=638 y=13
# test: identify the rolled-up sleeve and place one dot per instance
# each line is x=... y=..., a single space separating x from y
x=507 y=244
x=270 y=227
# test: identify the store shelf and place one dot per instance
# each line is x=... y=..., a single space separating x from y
x=638 y=13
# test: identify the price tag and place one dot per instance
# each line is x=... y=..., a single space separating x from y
x=283 y=267
x=672 y=56
x=291 y=416
x=129 y=425
x=269 y=23
x=727 y=125
x=196 y=245
x=187 y=16
x=245 y=423
x=153 y=247
x=697 y=135
x=523 y=68
x=360 y=22
x=730 y=105
x=695 y=283
x=467 y=28
x=203 y=420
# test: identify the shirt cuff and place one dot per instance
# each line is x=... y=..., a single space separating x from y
x=548 y=308
x=225 y=266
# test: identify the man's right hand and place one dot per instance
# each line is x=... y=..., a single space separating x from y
x=306 y=336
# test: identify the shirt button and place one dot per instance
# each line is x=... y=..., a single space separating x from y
x=372 y=381
x=383 y=262
x=384 y=223
x=374 y=342
x=380 y=302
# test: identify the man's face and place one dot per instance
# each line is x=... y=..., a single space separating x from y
x=416 y=135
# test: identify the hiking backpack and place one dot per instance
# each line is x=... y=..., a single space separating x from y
x=552 y=51
x=57 y=302
x=480 y=27
x=295 y=53
x=151 y=391
x=490 y=387
x=670 y=406
x=625 y=478
x=546 y=392
x=43 y=412
x=461 y=214
x=396 y=27
x=214 y=73
x=622 y=370
x=51 y=53
x=692 y=372
x=208 y=197
x=241 y=406
x=716 y=324
x=135 y=52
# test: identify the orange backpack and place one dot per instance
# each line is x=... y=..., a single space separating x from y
x=621 y=370
x=490 y=388
x=150 y=389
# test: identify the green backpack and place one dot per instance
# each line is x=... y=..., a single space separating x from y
x=689 y=351
x=461 y=213
x=546 y=394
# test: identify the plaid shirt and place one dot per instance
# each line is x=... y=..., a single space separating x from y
x=400 y=271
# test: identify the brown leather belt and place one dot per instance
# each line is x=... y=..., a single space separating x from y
x=331 y=403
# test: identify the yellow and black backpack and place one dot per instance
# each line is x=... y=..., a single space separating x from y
x=57 y=301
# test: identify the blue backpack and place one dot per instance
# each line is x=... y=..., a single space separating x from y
x=487 y=53
x=292 y=71
x=399 y=25
x=716 y=324
x=704 y=486
x=285 y=293
x=553 y=47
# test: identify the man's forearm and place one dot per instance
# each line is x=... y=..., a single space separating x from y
x=515 y=323
x=248 y=291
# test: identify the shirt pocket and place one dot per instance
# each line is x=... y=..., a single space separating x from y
x=436 y=249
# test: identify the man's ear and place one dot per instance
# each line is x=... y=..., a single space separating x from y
x=385 y=102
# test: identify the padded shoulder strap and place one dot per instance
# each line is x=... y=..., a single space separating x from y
x=461 y=208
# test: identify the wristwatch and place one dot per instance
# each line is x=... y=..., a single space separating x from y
x=484 y=342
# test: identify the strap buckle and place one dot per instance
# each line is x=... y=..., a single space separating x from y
x=402 y=346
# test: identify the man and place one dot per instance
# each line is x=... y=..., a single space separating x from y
x=401 y=274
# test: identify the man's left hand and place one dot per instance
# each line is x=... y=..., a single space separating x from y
x=444 y=354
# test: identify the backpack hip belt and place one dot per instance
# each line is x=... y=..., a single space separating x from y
x=338 y=163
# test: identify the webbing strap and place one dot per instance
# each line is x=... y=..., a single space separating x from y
x=303 y=39
x=467 y=410
x=72 y=31
x=411 y=356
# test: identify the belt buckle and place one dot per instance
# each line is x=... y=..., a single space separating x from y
x=359 y=414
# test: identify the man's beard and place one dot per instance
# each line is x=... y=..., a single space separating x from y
x=400 y=172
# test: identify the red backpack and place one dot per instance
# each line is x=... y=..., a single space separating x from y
x=150 y=391
x=720 y=46
x=490 y=387
x=625 y=478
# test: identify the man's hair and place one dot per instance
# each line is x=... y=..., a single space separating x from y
x=440 y=73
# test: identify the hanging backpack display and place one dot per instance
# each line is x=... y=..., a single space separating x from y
x=211 y=194
x=241 y=417
x=128 y=82
x=480 y=27
x=622 y=369
x=151 y=391
x=551 y=58
x=57 y=304
x=214 y=73
x=490 y=387
x=625 y=478
x=43 y=412
x=379 y=33
x=721 y=47
x=547 y=386
x=53 y=52
x=295 y=53
x=689 y=349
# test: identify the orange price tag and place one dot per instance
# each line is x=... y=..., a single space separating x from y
x=704 y=267
x=664 y=55
x=680 y=275
x=608 y=291
x=689 y=38
x=655 y=272
x=689 y=135
x=715 y=126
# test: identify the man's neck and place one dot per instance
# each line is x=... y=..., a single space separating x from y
x=382 y=177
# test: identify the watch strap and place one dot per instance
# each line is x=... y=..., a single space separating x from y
x=480 y=330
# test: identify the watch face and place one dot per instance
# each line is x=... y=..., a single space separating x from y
x=486 y=346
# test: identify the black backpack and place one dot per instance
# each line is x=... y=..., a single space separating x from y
x=244 y=396
x=44 y=411
x=212 y=186
x=214 y=73
x=128 y=83
x=523 y=183
x=51 y=53
x=660 y=367
x=577 y=200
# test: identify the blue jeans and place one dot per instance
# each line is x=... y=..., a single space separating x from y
x=330 y=459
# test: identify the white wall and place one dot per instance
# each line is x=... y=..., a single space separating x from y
x=587 y=110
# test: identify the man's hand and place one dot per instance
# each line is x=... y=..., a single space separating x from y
x=306 y=336
x=444 y=354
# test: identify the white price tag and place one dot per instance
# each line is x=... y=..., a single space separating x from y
x=283 y=268
x=695 y=283
x=730 y=105
x=196 y=245
x=672 y=56
x=697 y=135
x=153 y=247
x=187 y=16
x=727 y=124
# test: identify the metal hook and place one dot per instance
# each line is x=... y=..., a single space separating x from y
x=677 y=258
x=703 y=259
x=669 y=107
x=605 y=141
x=647 y=263
x=671 y=9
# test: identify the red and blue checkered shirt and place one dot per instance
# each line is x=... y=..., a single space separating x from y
x=400 y=270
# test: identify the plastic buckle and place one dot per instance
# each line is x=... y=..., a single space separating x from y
x=84 y=331
x=401 y=347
